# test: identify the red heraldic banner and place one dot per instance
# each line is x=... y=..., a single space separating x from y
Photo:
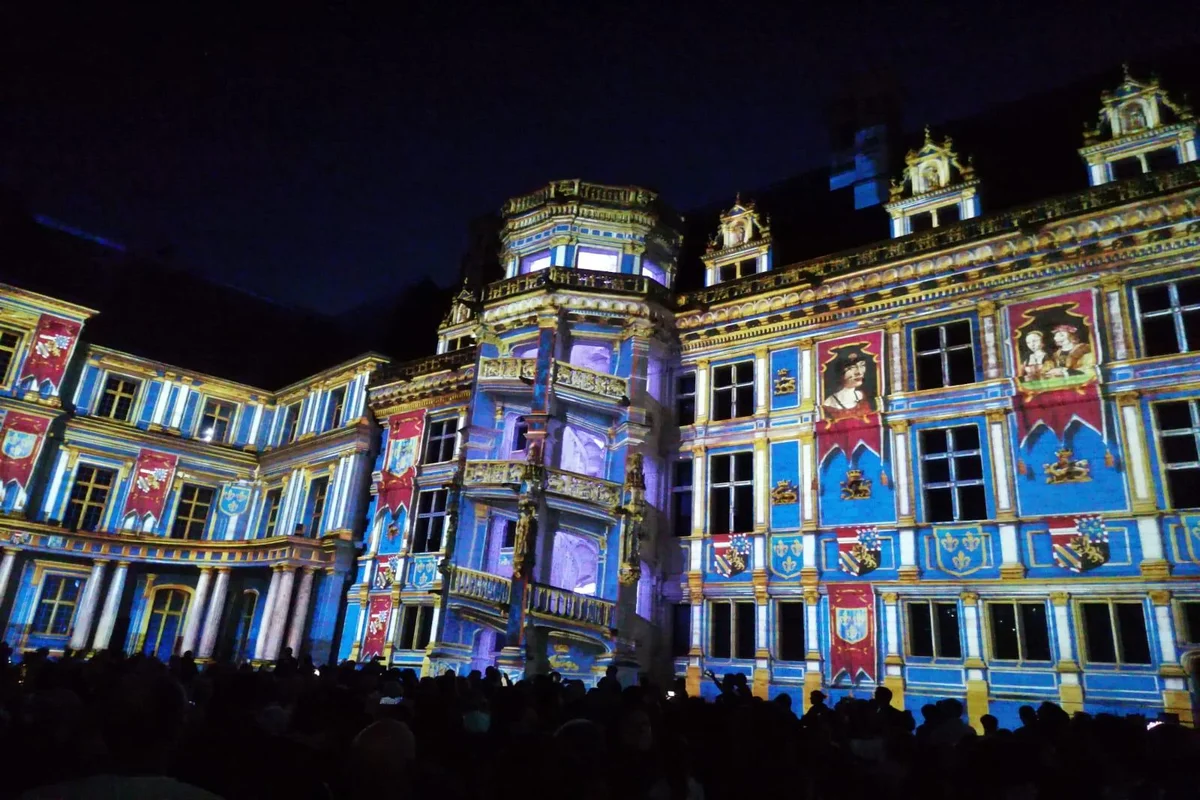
x=20 y=442
x=53 y=342
x=850 y=377
x=852 y=625
x=151 y=481
x=400 y=462
x=379 y=614
x=1054 y=348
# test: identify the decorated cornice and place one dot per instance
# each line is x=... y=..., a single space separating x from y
x=114 y=434
x=44 y=303
x=555 y=278
x=620 y=196
x=410 y=370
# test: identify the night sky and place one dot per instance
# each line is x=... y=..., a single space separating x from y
x=324 y=158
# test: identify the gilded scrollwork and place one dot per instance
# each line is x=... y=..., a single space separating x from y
x=590 y=381
x=582 y=487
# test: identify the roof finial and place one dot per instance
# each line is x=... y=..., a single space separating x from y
x=1125 y=71
x=737 y=198
x=928 y=136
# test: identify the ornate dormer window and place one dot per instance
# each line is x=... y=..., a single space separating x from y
x=1140 y=130
x=935 y=189
x=741 y=247
x=458 y=326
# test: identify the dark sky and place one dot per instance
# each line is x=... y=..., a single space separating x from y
x=324 y=157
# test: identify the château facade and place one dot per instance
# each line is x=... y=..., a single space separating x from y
x=961 y=461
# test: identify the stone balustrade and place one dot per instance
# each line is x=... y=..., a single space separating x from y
x=482 y=586
x=583 y=487
x=549 y=601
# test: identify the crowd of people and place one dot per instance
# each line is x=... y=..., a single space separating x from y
x=133 y=727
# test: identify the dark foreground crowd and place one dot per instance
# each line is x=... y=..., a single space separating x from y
x=120 y=727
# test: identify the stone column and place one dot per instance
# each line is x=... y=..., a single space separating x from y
x=1176 y=698
x=977 y=686
x=279 y=612
x=112 y=604
x=806 y=376
x=702 y=391
x=1070 y=688
x=902 y=471
x=808 y=471
x=987 y=334
x=87 y=607
x=893 y=662
x=694 y=676
x=1137 y=464
x=762 y=482
x=300 y=610
x=812 y=659
x=699 y=490
x=762 y=381
x=191 y=625
x=1001 y=461
x=1114 y=302
x=6 y=568
x=895 y=356
x=909 y=571
x=212 y=618
x=761 y=683
x=264 y=627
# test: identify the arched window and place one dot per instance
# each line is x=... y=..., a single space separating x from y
x=165 y=626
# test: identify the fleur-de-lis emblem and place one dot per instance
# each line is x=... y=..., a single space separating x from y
x=949 y=543
x=971 y=542
x=781 y=548
x=961 y=561
x=797 y=547
x=789 y=564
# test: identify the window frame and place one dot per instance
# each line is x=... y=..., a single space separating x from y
x=430 y=515
x=733 y=603
x=272 y=501
x=1193 y=405
x=191 y=520
x=936 y=634
x=57 y=603
x=680 y=490
x=950 y=455
x=520 y=433
x=205 y=416
x=8 y=373
x=779 y=637
x=337 y=405
x=732 y=388
x=133 y=397
x=420 y=611
x=1173 y=310
x=1115 y=630
x=85 y=503
x=316 y=501
x=1016 y=603
x=752 y=262
x=682 y=397
x=731 y=487
x=439 y=440
x=942 y=351
x=289 y=428
x=1183 y=630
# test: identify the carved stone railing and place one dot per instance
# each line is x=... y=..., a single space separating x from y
x=625 y=196
x=424 y=366
x=481 y=586
x=571 y=606
x=591 y=381
x=476 y=473
x=507 y=368
x=567 y=278
x=583 y=487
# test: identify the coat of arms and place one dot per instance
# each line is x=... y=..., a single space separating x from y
x=1067 y=469
x=856 y=487
x=852 y=624
x=402 y=456
x=960 y=552
x=19 y=445
x=385 y=572
x=151 y=480
x=784 y=493
x=787 y=555
x=859 y=550
x=1079 y=543
x=785 y=382
x=235 y=499
x=730 y=553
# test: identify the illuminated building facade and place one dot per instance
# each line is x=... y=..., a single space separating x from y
x=960 y=461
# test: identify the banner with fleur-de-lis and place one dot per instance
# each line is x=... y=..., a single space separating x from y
x=961 y=551
x=787 y=556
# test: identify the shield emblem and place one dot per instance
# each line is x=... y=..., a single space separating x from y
x=961 y=551
x=851 y=624
x=730 y=554
x=19 y=445
x=235 y=499
x=1079 y=544
x=787 y=556
x=402 y=455
x=859 y=550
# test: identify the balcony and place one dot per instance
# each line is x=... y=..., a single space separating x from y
x=480 y=586
x=428 y=365
x=559 y=482
x=588 y=384
x=560 y=604
x=577 y=279
x=510 y=369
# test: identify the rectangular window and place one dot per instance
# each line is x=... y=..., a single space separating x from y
x=733 y=390
x=948 y=215
x=1189 y=610
x=952 y=474
x=416 y=627
x=510 y=535
x=1163 y=158
x=337 y=405
x=85 y=508
x=731 y=629
x=56 y=605
x=921 y=222
x=681 y=630
x=318 y=491
x=1124 y=168
x=598 y=260
x=731 y=496
x=1020 y=631
x=216 y=420
x=747 y=266
x=191 y=515
x=459 y=342
x=535 y=262
x=118 y=397
x=792 y=645
x=681 y=499
x=1179 y=440
x=685 y=399
x=9 y=342
x=933 y=629
x=440 y=446
x=291 y=421
x=1169 y=314
x=1114 y=632
x=274 y=496
x=520 y=435
x=945 y=355
x=431 y=521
